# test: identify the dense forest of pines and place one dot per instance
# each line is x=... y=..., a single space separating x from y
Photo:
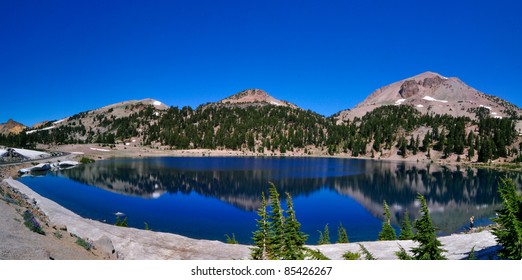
x=268 y=129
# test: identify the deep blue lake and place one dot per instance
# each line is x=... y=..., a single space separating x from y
x=206 y=198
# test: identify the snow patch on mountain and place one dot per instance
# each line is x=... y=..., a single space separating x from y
x=35 y=130
x=429 y=98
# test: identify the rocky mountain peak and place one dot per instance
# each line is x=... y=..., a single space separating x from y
x=432 y=93
x=11 y=126
x=255 y=97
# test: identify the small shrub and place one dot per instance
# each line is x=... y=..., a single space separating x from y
x=58 y=234
x=315 y=255
x=120 y=223
x=351 y=256
x=10 y=200
x=31 y=223
x=402 y=254
x=86 y=160
x=84 y=243
x=472 y=255
x=231 y=240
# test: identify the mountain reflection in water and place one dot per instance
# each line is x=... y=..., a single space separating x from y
x=453 y=193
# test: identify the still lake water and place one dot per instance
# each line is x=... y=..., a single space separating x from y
x=206 y=198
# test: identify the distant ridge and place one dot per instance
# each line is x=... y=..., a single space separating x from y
x=11 y=127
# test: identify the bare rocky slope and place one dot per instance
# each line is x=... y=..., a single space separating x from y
x=11 y=126
x=432 y=93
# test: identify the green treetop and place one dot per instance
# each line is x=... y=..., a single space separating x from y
x=387 y=232
x=508 y=231
x=294 y=239
x=342 y=236
x=276 y=224
x=429 y=246
x=259 y=252
x=406 y=230
x=324 y=237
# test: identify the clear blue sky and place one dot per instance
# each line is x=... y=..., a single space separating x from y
x=58 y=58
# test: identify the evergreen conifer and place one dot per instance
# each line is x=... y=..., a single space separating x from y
x=508 y=231
x=260 y=251
x=429 y=245
x=406 y=230
x=294 y=239
x=324 y=237
x=367 y=255
x=276 y=222
x=387 y=232
x=342 y=236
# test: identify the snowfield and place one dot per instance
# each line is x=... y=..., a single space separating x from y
x=47 y=128
x=100 y=150
x=429 y=98
x=28 y=153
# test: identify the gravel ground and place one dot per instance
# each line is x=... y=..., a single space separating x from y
x=17 y=242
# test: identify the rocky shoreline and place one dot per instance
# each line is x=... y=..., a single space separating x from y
x=112 y=242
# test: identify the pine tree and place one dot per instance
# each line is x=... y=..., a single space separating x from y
x=406 y=230
x=367 y=255
x=416 y=146
x=342 y=236
x=294 y=239
x=387 y=232
x=276 y=222
x=486 y=150
x=471 y=153
x=324 y=237
x=429 y=245
x=260 y=251
x=402 y=146
x=426 y=142
x=321 y=238
x=508 y=231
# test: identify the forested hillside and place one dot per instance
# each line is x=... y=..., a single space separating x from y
x=269 y=129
